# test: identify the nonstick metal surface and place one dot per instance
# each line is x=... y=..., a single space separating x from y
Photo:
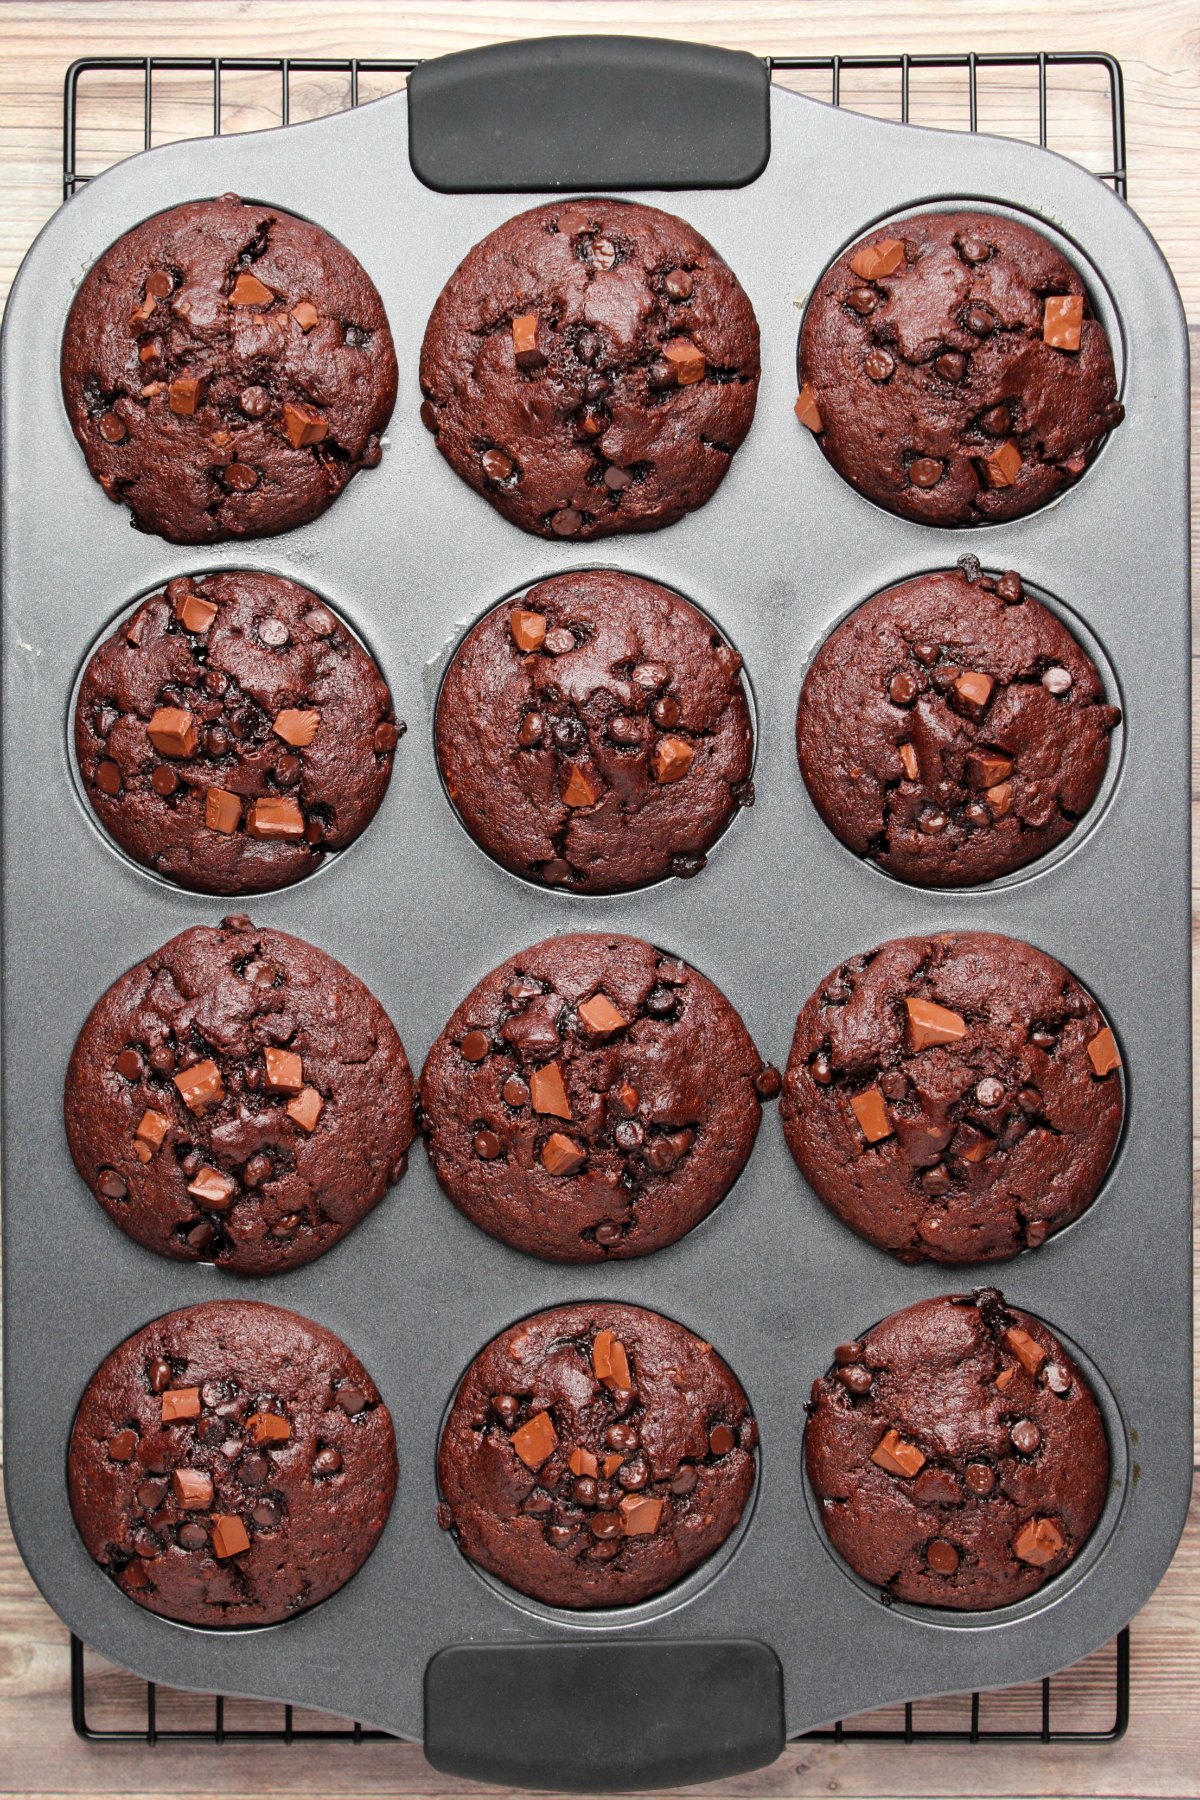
x=411 y=557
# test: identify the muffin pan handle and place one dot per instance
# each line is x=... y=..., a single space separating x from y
x=603 y=1717
x=589 y=112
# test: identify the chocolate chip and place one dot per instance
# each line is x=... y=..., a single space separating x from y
x=607 y=1525
x=633 y=1476
x=559 y=1536
x=1025 y=1436
x=989 y=1092
x=980 y=321
x=241 y=477
x=677 y=284
x=1009 y=587
x=926 y=472
x=352 y=1400
x=628 y=1134
x=855 y=1379
x=496 y=466
x=903 y=688
x=568 y=734
x=608 y=1233
x=660 y=1001
x=768 y=1082
x=159 y=1374
x=273 y=633
x=617 y=479
x=997 y=421
x=566 y=522
x=191 y=1536
x=624 y=731
x=560 y=641
x=255 y=402
x=879 y=365
x=150 y=1495
x=474 y=1046
x=587 y=346
x=515 y=1092
x=972 y=250
x=893 y=1084
x=622 y=1437
x=942 y=1557
x=863 y=300
x=112 y=1185
x=326 y=1462
x=257 y=1169
x=486 y=1145
x=1057 y=681
x=951 y=365
x=980 y=1478
x=821 y=1069
x=265 y=1513
x=108 y=778
x=1056 y=1378
x=936 y=1182
x=538 y=1503
x=721 y=1440
x=253 y=1469
x=532 y=727
x=931 y=820
x=507 y=1409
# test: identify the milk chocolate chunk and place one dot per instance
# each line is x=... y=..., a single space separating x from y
x=807 y=410
x=974 y=1167
x=274 y=820
x=685 y=360
x=296 y=726
x=222 y=810
x=1062 y=321
x=536 y=1440
x=306 y=1108
x=561 y=1155
x=871 y=1113
x=180 y=1403
x=929 y=1024
x=283 y=1070
x=1038 y=1542
x=547 y=1093
x=172 y=731
x=200 y=1085
x=304 y=425
x=882 y=257
x=896 y=1456
x=1103 y=1053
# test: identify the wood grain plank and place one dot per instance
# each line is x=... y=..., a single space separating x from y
x=1160 y=49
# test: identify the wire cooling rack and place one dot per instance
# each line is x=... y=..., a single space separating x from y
x=115 y=105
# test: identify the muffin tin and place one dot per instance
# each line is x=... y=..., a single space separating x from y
x=774 y=1635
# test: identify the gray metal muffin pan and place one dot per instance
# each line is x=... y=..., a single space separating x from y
x=410 y=557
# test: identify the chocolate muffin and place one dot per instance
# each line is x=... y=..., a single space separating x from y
x=231 y=1464
x=232 y=731
x=595 y=1454
x=952 y=728
x=594 y=734
x=955 y=1097
x=227 y=368
x=239 y=1098
x=957 y=1453
x=591 y=367
x=953 y=371
x=592 y=1098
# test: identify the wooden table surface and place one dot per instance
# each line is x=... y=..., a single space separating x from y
x=1159 y=46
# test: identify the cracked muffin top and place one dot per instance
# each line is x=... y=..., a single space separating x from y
x=953 y=371
x=594 y=734
x=227 y=368
x=590 y=367
x=957 y=1453
x=232 y=731
x=210 y=1453
x=955 y=1097
x=595 y=1454
x=592 y=1098
x=953 y=729
x=239 y=1098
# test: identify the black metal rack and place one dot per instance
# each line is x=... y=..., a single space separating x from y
x=899 y=1725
